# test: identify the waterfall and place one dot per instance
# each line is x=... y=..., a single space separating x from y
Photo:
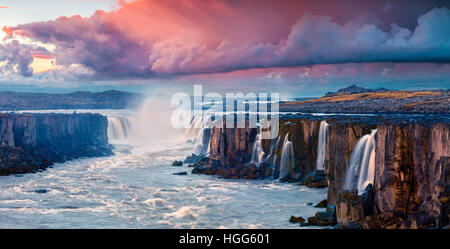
x=273 y=154
x=257 y=151
x=361 y=168
x=120 y=127
x=322 y=145
x=274 y=163
x=287 y=157
x=199 y=133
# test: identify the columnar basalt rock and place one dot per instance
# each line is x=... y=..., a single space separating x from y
x=412 y=166
x=232 y=145
x=303 y=133
x=411 y=185
x=29 y=142
x=342 y=137
x=231 y=149
x=411 y=177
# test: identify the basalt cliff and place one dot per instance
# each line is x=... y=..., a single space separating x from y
x=410 y=185
x=31 y=142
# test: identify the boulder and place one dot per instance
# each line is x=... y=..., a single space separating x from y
x=177 y=163
x=193 y=159
x=298 y=219
x=322 y=204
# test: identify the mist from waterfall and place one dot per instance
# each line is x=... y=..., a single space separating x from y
x=361 y=168
x=322 y=145
x=287 y=157
x=149 y=128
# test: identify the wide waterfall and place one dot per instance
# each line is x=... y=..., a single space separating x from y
x=322 y=145
x=361 y=168
x=120 y=127
x=287 y=157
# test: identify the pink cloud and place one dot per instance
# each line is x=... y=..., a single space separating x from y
x=145 y=38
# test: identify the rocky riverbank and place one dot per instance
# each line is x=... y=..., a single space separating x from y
x=31 y=142
x=412 y=166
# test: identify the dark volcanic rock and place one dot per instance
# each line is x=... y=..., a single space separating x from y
x=193 y=159
x=342 y=137
x=322 y=204
x=412 y=167
x=298 y=219
x=412 y=174
x=177 y=163
x=321 y=219
x=41 y=191
x=180 y=173
x=32 y=142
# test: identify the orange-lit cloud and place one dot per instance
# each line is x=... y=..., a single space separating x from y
x=145 y=38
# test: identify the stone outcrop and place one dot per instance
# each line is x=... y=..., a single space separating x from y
x=411 y=185
x=303 y=133
x=342 y=137
x=231 y=150
x=411 y=176
x=412 y=166
x=29 y=142
x=232 y=146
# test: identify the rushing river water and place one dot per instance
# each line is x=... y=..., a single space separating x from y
x=136 y=188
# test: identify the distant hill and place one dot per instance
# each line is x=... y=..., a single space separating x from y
x=355 y=89
x=10 y=101
x=355 y=99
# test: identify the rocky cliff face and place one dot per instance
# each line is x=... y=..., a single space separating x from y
x=411 y=176
x=231 y=146
x=411 y=185
x=412 y=167
x=231 y=150
x=342 y=137
x=303 y=133
x=29 y=142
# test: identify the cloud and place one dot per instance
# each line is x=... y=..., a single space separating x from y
x=15 y=57
x=148 y=38
x=4 y=7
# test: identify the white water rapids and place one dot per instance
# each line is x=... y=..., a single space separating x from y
x=136 y=187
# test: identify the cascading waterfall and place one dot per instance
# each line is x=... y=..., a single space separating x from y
x=200 y=133
x=120 y=127
x=274 y=151
x=322 y=145
x=361 y=168
x=287 y=157
x=257 y=151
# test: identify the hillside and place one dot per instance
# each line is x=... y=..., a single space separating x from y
x=10 y=101
x=374 y=101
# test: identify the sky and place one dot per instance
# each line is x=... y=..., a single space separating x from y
x=299 y=48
